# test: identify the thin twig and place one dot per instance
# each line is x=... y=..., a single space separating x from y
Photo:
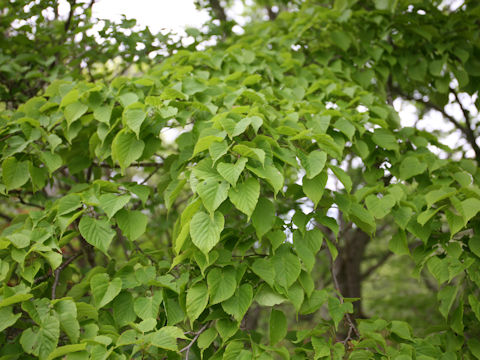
x=151 y=174
x=6 y=217
x=340 y=298
x=144 y=164
x=197 y=334
x=29 y=203
x=143 y=252
x=59 y=269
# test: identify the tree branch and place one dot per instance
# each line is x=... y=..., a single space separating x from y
x=348 y=318
x=6 y=217
x=382 y=260
x=197 y=334
x=59 y=269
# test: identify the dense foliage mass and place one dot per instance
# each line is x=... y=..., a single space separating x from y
x=227 y=243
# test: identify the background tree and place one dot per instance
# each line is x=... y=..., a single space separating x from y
x=227 y=242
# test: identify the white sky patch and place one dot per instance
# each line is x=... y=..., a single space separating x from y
x=158 y=15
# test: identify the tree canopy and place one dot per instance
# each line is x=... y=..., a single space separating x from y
x=234 y=200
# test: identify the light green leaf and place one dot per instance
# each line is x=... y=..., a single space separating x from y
x=379 y=207
x=385 y=139
x=315 y=187
x=253 y=153
x=147 y=307
x=277 y=326
x=239 y=303
x=264 y=269
x=104 y=290
x=205 y=230
x=446 y=296
x=245 y=196
x=96 y=232
x=401 y=329
x=231 y=172
x=263 y=217
x=68 y=204
x=287 y=267
x=343 y=177
x=217 y=150
x=7 y=317
x=133 y=116
x=67 y=349
x=411 y=166
x=471 y=207
x=314 y=163
x=221 y=284
x=111 y=203
x=133 y=223
x=197 y=300
x=212 y=193
x=67 y=314
x=14 y=173
x=436 y=195
x=123 y=311
x=41 y=341
x=126 y=149
x=74 y=111
x=166 y=338
x=271 y=174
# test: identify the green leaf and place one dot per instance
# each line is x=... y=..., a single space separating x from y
x=221 y=284
x=205 y=230
x=253 y=153
x=263 y=217
x=337 y=310
x=111 y=203
x=343 y=177
x=446 y=296
x=126 y=149
x=240 y=302
x=217 y=150
x=277 y=326
x=206 y=338
x=14 y=173
x=436 y=195
x=401 y=329
x=67 y=349
x=104 y=290
x=7 y=317
x=474 y=245
x=197 y=300
x=231 y=172
x=68 y=204
x=166 y=338
x=411 y=166
x=133 y=116
x=123 y=312
x=147 y=307
x=314 y=163
x=212 y=193
x=133 y=223
x=287 y=267
x=315 y=187
x=379 y=207
x=74 y=111
x=103 y=113
x=471 y=207
x=96 y=232
x=51 y=160
x=385 y=139
x=264 y=269
x=67 y=314
x=41 y=341
x=245 y=196
x=271 y=174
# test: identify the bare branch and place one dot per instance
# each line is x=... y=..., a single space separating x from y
x=59 y=269
x=197 y=334
x=348 y=318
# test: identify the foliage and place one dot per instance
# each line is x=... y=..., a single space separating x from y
x=125 y=244
x=40 y=44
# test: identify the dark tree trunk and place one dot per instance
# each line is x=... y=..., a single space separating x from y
x=347 y=267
